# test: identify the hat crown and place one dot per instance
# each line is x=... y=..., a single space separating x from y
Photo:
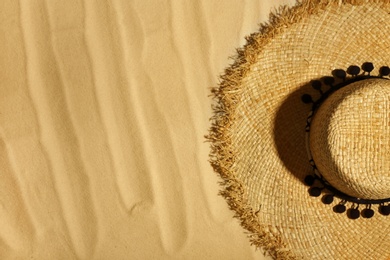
x=350 y=139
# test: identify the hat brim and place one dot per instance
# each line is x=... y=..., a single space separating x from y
x=258 y=137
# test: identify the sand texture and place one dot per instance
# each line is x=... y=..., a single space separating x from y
x=104 y=108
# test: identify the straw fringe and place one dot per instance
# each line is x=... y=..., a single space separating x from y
x=226 y=97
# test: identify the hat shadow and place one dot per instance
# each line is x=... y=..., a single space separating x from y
x=291 y=119
x=289 y=130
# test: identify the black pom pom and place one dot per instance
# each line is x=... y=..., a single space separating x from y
x=329 y=80
x=368 y=67
x=384 y=210
x=339 y=73
x=309 y=180
x=315 y=191
x=353 y=70
x=353 y=213
x=384 y=71
x=340 y=208
x=367 y=213
x=306 y=98
x=316 y=84
x=327 y=199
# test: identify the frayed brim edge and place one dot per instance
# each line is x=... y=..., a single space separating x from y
x=227 y=97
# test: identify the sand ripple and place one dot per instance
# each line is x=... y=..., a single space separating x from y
x=103 y=109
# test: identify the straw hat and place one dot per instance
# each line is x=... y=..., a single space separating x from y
x=301 y=132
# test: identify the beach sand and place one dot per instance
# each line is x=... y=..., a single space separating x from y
x=104 y=109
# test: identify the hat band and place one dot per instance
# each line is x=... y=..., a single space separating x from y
x=316 y=176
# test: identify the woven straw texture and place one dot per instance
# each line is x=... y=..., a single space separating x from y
x=258 y=137
x=350 y=136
